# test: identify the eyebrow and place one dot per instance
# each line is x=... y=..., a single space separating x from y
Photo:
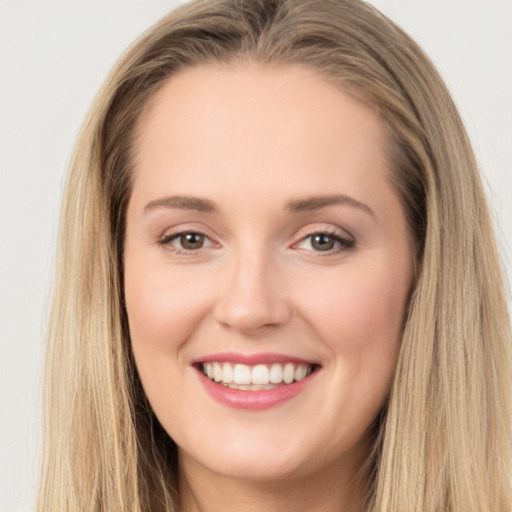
x=318 y=202
x=296 y=205
x=181 y=202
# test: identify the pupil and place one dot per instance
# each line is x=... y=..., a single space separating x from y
x=192 y=241
x=322 y=242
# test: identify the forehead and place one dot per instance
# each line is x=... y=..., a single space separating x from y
x=280 y=124
x=231 y=91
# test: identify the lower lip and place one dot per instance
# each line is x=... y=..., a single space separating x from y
x=254 y=400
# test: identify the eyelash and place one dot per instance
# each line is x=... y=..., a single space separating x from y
x=345 y=244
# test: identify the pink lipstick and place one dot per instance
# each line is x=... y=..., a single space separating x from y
x=254 y=381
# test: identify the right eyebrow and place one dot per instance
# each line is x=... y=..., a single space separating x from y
x=181 y=202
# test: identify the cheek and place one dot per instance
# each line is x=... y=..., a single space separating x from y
x=359 y=317
x=161 y=316
x=359 y=311
x=163 y=307
x=359 y=305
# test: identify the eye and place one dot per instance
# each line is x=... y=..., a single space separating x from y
x=191 y=241
x=186 y=242
x=325 y=242
x=322 y=242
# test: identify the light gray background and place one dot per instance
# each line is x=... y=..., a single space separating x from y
x=54 y=55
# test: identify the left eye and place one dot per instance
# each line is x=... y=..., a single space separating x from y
x=324 y=242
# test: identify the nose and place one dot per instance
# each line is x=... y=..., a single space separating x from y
x=251 y=298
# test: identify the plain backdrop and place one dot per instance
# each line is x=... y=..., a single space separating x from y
x=54 y=54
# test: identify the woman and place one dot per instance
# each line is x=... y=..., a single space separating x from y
x=278 y=285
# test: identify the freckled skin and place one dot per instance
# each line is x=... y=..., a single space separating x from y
x=250 y=139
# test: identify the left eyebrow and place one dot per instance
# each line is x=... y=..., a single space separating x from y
x=318 y=202
x=181 y=202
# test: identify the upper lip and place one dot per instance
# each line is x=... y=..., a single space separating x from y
x=252 y=359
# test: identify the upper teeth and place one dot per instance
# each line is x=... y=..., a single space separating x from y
x=260 y=374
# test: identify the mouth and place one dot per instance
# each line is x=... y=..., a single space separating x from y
x=256 y=377
x=255 y=381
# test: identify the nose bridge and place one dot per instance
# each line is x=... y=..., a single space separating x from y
x=250 y=297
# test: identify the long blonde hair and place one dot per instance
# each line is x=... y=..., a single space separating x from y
x=443 y=438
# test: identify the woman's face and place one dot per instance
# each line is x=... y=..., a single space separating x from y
x=265 y=248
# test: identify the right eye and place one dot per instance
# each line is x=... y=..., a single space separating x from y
x=184 y=242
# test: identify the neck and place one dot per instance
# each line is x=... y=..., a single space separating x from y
x=333 y=489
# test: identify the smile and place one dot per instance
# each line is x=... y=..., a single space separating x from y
x=256 y=377
x=254 y=382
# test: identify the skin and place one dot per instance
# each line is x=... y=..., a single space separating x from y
x=254 y=140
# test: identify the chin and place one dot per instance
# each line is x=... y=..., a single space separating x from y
x=248 y=457
x=260 y=456
x=259 y=468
